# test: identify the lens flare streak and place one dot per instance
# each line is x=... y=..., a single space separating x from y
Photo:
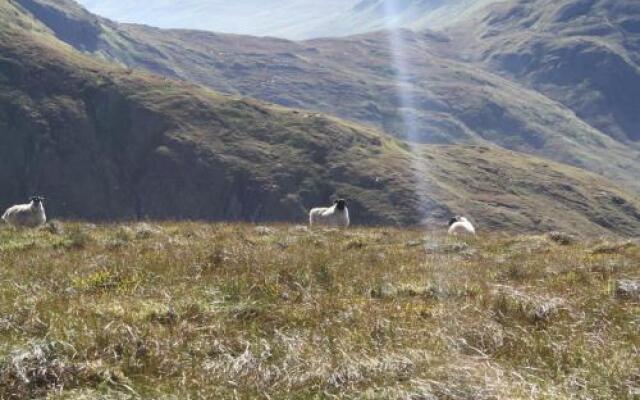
x=410 y=130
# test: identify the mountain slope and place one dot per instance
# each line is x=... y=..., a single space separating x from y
x=456 y=101
x=107 y=143
x=104 y=142
x=372 y=15
x=584 y=54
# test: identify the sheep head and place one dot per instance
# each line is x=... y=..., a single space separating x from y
x=341 y=204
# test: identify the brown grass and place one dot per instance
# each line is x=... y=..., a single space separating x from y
x=191 y=310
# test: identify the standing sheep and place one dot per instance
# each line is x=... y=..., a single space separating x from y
x=336 y=215
x=26 y=215
x=461 y=225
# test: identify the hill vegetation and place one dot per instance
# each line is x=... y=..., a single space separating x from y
x=463 y=93
x=233 y=311
x=103 y=142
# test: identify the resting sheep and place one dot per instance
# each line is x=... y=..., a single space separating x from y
x=26 y=215
x=336 y=215
x=461 y=225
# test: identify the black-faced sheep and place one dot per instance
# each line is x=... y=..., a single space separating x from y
x=29 y=215
x=336 y=215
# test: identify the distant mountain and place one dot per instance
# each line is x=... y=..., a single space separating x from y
x=585 y=54
x=105 y=142
x=461 y=93
x=292 y=19
x=372 y=15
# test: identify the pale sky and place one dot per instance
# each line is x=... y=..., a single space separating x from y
x=292 y=19
x=254 y=17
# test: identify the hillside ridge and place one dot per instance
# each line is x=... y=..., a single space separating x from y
x=104 y=142
x=458 y=100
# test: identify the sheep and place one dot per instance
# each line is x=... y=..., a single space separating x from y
x=30 y=215
x=460 y=225
x=336 y=215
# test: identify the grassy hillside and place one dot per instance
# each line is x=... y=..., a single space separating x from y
x=458 y=99
x=233 y=311
x=106 y=143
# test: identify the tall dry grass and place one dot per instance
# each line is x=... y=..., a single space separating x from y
x=216 y=311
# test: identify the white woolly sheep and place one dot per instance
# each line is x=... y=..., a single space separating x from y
x=336 y=215
x=461 y=225
x=26 y=215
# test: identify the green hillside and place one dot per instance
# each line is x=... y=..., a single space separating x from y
x=104 y=142
x=459 y=98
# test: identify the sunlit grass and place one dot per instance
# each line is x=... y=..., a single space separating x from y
x=191 y=310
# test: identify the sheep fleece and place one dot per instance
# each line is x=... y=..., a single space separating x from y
x=329 y=216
